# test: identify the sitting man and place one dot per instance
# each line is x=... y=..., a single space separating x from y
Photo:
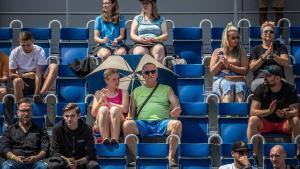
x=274 y=107
x=277 y=157
x=72 y=142
x=25 y=68
x=23 y=144
x=153 y=117
x=239 y=152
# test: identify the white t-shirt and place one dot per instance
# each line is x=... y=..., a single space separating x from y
x=26 y=62
x=230 y=166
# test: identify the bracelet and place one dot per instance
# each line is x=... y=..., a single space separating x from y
x=13 y=157
x=269 y=110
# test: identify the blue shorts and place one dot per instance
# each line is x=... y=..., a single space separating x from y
x=154 y=128
x=229 y=86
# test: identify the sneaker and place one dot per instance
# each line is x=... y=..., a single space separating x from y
x=38 y=98
x=114 y=141
x=131 y=164
x=106 y=141
x=173 y=163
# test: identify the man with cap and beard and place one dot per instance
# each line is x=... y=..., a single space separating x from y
x=274 y=107
x=239 y=152
x=23 y=144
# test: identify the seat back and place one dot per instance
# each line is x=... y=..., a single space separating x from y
x=42 y=37
x=2 y=111
x=188 y=43
x=70 y=90
x=152 y=156
x=216 y=38
x=5 y=40
x=111 y=156
x=194 y=156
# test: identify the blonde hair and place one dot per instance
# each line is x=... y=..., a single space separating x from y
x=268 y=23
x=154 y=13
x=109 y=72
x=225 y=44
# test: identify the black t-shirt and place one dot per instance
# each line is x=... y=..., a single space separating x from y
x=285 y=97
x=258 y=50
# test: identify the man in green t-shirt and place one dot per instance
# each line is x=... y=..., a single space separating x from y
x=157 y=116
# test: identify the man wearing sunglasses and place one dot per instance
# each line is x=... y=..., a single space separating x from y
x=277 y=158
x=239 y=153
x=157 y=117
x=23 y=144
x=270 y=52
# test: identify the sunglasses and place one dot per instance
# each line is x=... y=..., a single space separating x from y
x=242 y=152
x=147 y=72
x=25 y=110
x=268 y=31
x=234 y=37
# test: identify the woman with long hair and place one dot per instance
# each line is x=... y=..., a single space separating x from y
x=110 y=108
x=109 y=31
x=229 y=65
x=148 y=31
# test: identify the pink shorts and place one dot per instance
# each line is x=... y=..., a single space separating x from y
x=275 y=127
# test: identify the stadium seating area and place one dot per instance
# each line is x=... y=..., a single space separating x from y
x=198 y=132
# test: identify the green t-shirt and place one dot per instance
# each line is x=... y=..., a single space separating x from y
x=157 y=107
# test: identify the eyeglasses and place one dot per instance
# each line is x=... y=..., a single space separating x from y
x=268 y=31
x=25 y=110
x=234 y=37
x=243 y=153
x=147 y=72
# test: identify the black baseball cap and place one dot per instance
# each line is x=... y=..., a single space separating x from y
x=273 y=70
x=149 y=0
x=239 y=146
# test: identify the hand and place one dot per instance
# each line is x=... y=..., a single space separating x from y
x=280 y=113
x=19 y=159
x=268 y=52
x=272 y=106
x=176 y=112
x=73 y=164
x=29 y=75
x=115 y=42
x=148 y=40
x=105 y=39
x=104 y=92
x=30 y=159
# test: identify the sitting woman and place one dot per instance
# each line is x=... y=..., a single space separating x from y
x=109 y=31
x=148 y=31
x=229 y=65
x=110 y=108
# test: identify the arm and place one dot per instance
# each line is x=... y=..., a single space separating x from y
x=13 y=74
x=257 y=60
x=132 y=107
x=97 y=103
x=38 y=79
x=176 y=109
x=215 y=63
x=122 y=35
x=125 y=102
x=243 y=69
x=164 y=35
x=55 y=144
x=133 y=32
x=256 y=111
x=282 y=60
x=4 y=69
x=98 y=39
x=293 y=111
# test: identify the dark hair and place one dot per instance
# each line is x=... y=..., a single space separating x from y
x=71 y=106
x=115 y=15
x=24 y=100
x=25 y=35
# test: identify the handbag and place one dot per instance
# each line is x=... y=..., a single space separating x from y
x=83 y=67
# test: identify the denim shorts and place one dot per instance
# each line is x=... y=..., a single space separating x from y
x=150 y=127
x=229 y=86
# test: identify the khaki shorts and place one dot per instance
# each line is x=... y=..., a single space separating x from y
x=275 y=3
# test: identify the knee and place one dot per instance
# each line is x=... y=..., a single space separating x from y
x=128 y=126
x=103 y=53
x=18 y=82
x=121 y=51
x=139 y=51
x=53 y=68
x=42 y=165
x=295 y=121
x=3 y=91
x=115 y=111
x=253 y=121
x=176 y=125
x=103 y=110
x=92 y=165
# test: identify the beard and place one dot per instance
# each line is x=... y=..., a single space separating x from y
x=25 y=120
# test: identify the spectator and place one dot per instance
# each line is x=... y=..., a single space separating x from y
x=277 y=157
x=109 y=31
x=23 y=144
x=154 y=117
x=73 y=142
x=269 y=53
x=25 y=68
x=3 y=74
x=239 y=152
x=274 y=107
x=229 y=65
x=110 y=107
x=277 y=5
x=148 y=31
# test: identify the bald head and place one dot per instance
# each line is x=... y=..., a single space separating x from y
x=277 y=156
x=279 y=149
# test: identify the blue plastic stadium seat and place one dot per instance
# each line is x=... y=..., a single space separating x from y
x=5 y=40
x=70 y=90
x=59 y=111
x=294 y=35
x=111 y=156
x=2 y=110
x=188 y=43
x=42 y=37
x=152 y=156
x=289 y=148
x=194 y=156
x=216 y=38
